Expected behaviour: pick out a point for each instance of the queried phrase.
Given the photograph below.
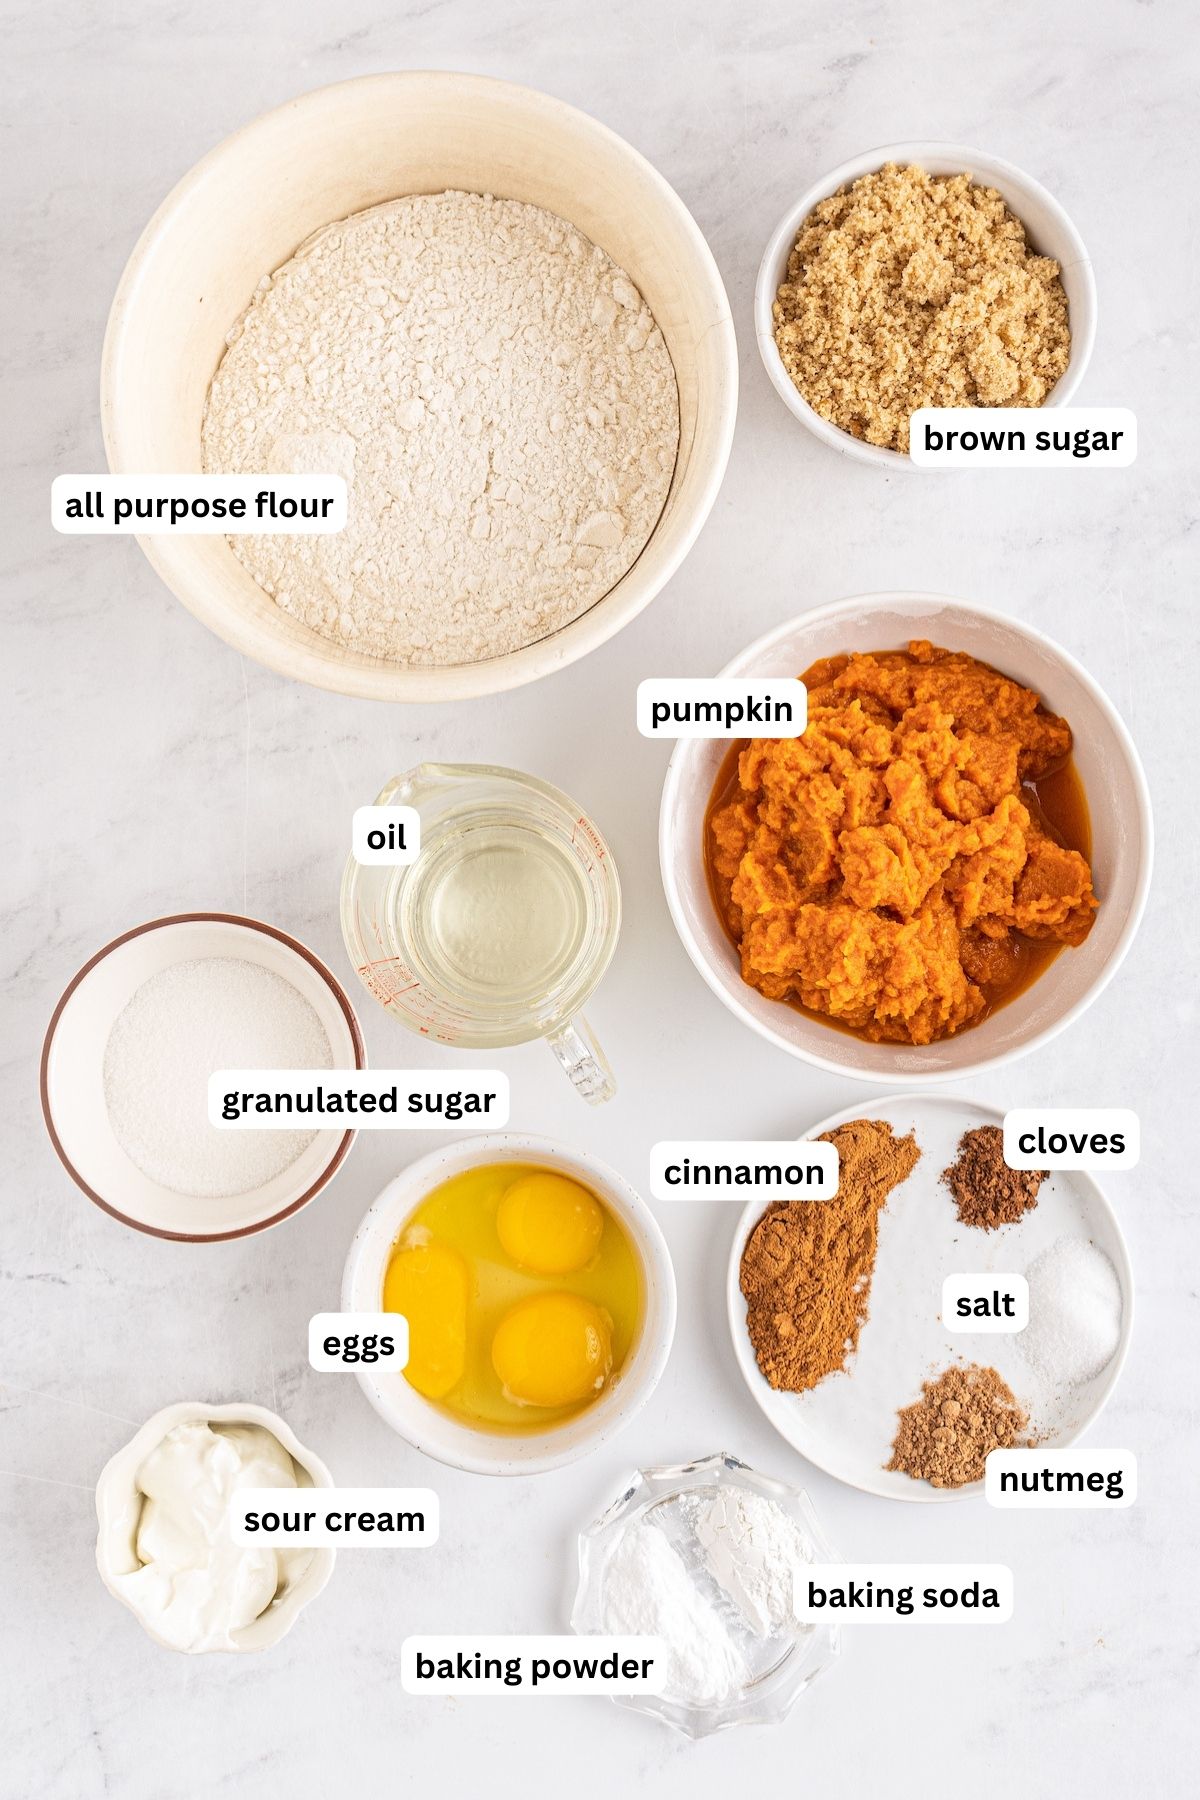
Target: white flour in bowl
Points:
(502, 406)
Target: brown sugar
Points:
(986, 1191)
(894, 868)
(964, 1413)
(806, 1268)
(908, 290)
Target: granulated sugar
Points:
(1075, 1314)
(495, 392)
(180, 1026)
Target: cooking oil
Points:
(498, 912)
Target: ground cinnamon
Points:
(806, 1269)
(963, 1413)
(987, 1192)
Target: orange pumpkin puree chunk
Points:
(893, 868)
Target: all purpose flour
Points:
(500, 401)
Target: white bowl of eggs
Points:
(540, 1300)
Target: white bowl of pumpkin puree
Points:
(942, 872)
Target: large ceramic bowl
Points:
(254, 199)
(1122, 838)
(510, 1453)
(1048, 230)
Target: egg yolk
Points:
(552, 1349)
(429, 1283)
(549, 1224)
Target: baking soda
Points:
(214, 1012)
(755, 1553)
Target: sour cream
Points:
(196, 1588)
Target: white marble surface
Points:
(153, 770)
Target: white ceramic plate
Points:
(846, 1424)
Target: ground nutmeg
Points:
(945, 1437)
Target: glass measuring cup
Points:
(500, 930)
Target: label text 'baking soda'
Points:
(287, 1518)
(728, 1171)
(1022, 437)
(946, 1593)
(364, 1099)
(724, 706)
(200, 505)
(542, 1665)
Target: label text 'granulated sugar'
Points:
(364, 1099)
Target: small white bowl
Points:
(72, 1077)
(425, 1425)
(249, 205)
(119, 1505)
(1049, 232)
(1108, 767)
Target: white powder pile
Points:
(1074, 1313)
(742, 1565)
(648, 1591)
(214, 1012)
(502, 406)
(755, 1553)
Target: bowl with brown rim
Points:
(72, 1076)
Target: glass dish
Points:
(783, 1664)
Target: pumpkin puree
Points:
(886, 868)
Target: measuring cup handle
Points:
(583, 1060)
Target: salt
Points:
(1075, 1311)
(214, 1012)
